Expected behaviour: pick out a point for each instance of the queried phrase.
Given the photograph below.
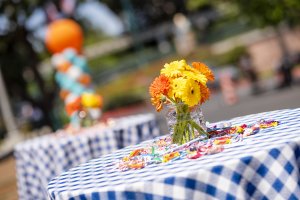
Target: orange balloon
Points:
(100, 99)
(63, 94)
(63, 67)
(84, 79)
(62, 34)
(73, 106)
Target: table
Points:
(262, 166)
(41, 159)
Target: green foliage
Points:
(272, 12)
(123, 99)
(93, 37)
(59, 115)
(230, 57)
(233, 55)
(100, 64)
(223, 29)
(258, 12)
(112, 66)
(197, 4)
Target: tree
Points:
(18, 55)
(260, 13)
(273, 13)
(263, 13)
(270, 13)
(147, 13)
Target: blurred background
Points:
(253, 48)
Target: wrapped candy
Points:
(214, 149)
(162, 150)
(222, 140)
(193, 153)
(252, 130)
(266, 124)
(170, 156)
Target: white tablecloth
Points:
(41, 159)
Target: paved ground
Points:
(214, 110)
(8, 188)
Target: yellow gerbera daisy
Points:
(200, 78)
(186, 90)
(174, 69)
(191, 69)
(175, 84)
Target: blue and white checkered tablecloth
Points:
(41, 159)
(263, 166)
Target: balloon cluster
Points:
(64, 38)
(82, 104)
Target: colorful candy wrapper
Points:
(162, 150)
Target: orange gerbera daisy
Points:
(205, 93)
(159, 87)
(157, 102)
(204, 69)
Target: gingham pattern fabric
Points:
(262, 166)
(41, 159)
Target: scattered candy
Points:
(170, 156)
(214, 149)
(194, 155)
(222, 140)
(162, 150)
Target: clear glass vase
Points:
(185, 123)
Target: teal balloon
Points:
(77, 89)
(59, 78)
(70, 54)
(64, 81)
(67, 83)
(89, 90)
(81, 64)
(75, 119)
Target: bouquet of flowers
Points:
(184, 87)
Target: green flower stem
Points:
(193, 133)
(171, 100)
(198, 128)
(185, 126)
